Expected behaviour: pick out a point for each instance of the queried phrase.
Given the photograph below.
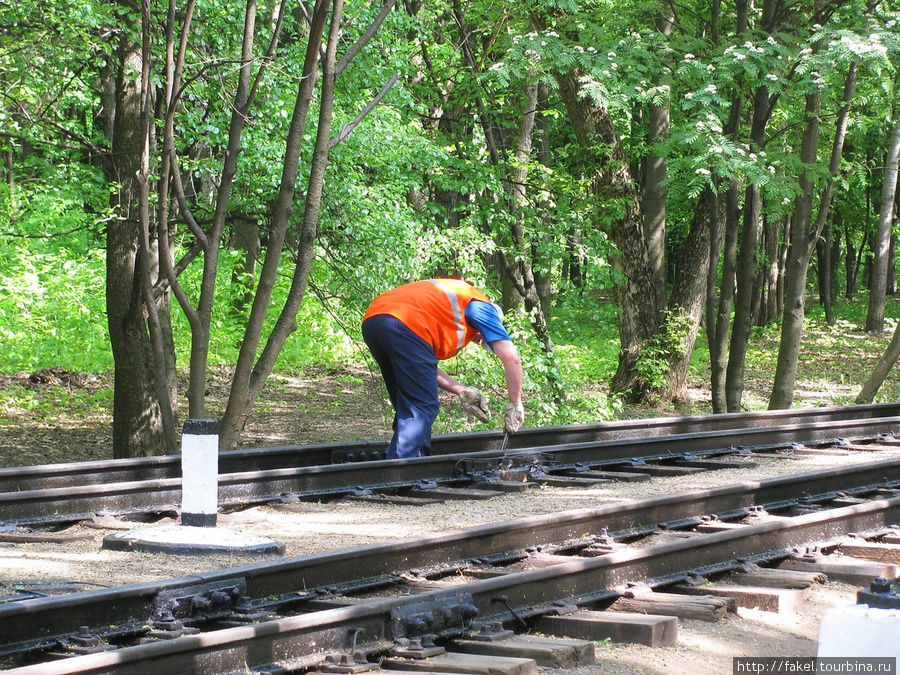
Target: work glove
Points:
(474, 403)
(515, 415)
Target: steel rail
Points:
(75, 474)
(371, 627)
(332, 480)
(46, 617)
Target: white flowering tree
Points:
(739, 114)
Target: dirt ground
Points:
(343, 406)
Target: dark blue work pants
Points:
(409, 368)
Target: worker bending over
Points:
(412, 327)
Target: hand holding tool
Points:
(515, 415)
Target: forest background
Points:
(655, 190)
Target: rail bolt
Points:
(880, 585)
(85, 638)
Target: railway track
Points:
(577, 454)
(358, 607)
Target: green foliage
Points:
(653, 364)
(48, 312)
(416, 190)
(51, 269)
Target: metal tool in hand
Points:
(505, 439)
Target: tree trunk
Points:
(243, 277)
(137, 423)
(881, 245)
(769, 273)
(522, 275)
(571, 267)
(891, 285)
(718, 338)
(824, 272)
(798, 262)
(250, 373)
(881, 370)
(748, 254)
(852, 265)
(719, 347)
(653, 204)
(543, 278)
(688, 298)
(611, 182)
(744, 278)
(804, 236)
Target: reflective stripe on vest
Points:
(457, 314)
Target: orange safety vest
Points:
(434, 310)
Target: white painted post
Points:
(200, 473)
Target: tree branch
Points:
(365, 37)
(348, 128)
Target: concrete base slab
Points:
(859, 631)
(473, 664)
(546, 652)
(624, 627)
(187, 540)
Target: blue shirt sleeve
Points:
(483, 317)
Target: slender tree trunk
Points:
(880, 371)
(804, 235)
(824, 272)
(201, 318)
(891, 285)
(744, 278)
(878, 285)
(718, 338)
(523, 278)
(798, 261)
(748, 254)
(543, 278)
(243, 277)
(571, 269)
(242, 389)
(852, 264)
(769, 273)
(719, 350)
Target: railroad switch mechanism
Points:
(507, 469)
(220, 600)
(427, 617)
